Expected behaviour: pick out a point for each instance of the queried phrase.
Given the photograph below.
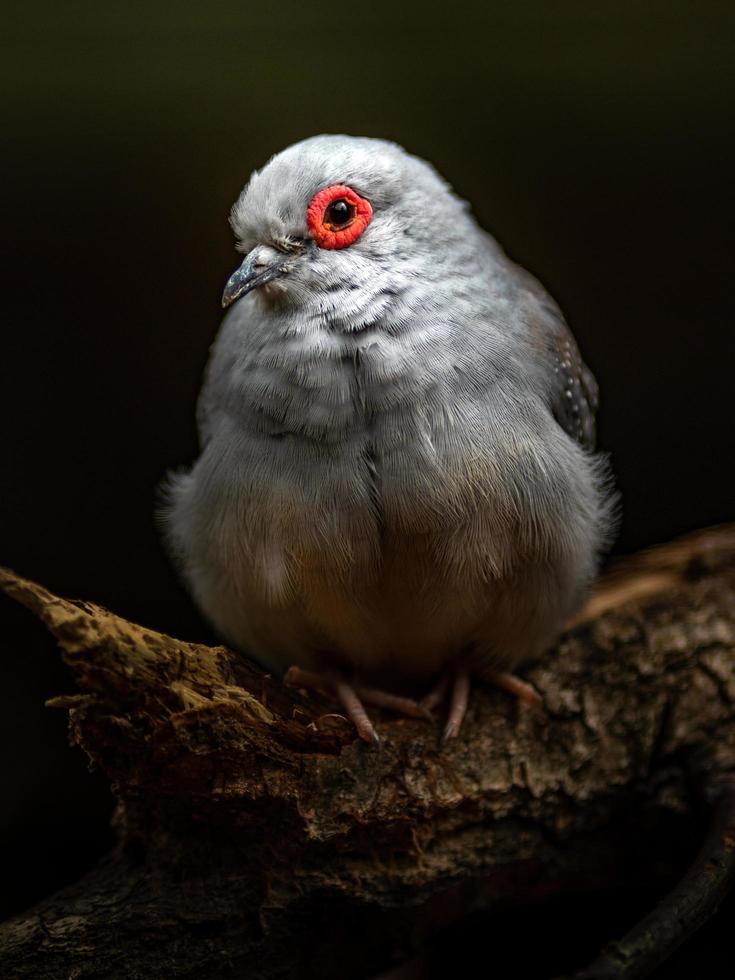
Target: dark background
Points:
(595, 140)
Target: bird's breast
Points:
(333, 388)
(353, 439)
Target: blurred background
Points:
(594, 140)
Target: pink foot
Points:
(457, 705)
(354, 697)
(460, 690)
(513, 685)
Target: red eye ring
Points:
(328, 234)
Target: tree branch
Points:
(681, 912)
(259, 837)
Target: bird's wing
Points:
(572, 393)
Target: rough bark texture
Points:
(260, 838)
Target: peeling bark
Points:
(260, 838)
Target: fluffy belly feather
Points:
(404, 618)
(383, 602)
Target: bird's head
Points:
(342, 226)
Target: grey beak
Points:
(252, 273)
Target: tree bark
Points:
(258, 837)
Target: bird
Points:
(398, 489)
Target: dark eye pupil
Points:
(339, 213)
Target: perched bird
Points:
(397, 481)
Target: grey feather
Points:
(392, 471)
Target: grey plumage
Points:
(396, 436)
